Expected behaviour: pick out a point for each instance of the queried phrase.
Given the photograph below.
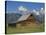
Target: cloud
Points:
(22, 8)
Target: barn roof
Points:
(23, 17)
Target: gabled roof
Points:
(23, 17)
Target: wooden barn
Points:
(24, 20)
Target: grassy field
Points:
(26, 29)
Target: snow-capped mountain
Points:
(39, 15)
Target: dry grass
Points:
(26, 29)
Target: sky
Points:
(13, 6)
